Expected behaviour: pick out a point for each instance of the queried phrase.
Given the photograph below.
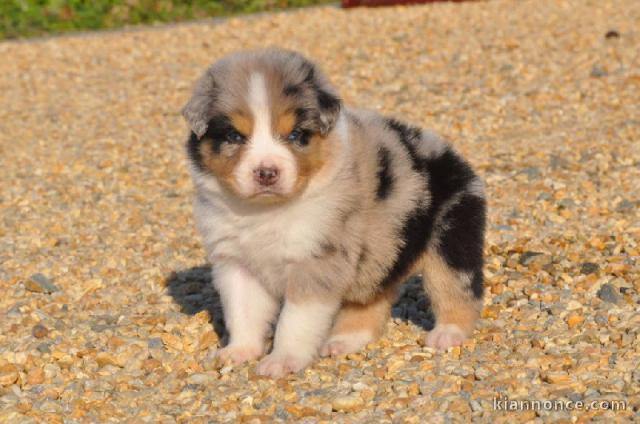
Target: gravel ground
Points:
(106, 314)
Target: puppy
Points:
(313, 214)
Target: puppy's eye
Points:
(294, 136)
(235, 137)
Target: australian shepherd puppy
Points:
(313, 214)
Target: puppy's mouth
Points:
(268, 194)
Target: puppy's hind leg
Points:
(455, 309)
(452, 272)
(359, 324)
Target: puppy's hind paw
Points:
(277, 365)
(238, 354)
(342, 344)
(444, 336)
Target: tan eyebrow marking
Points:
(285, 123)
(242, 123)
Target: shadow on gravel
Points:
(192, 290)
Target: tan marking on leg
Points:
(371, 316)
(356, 324)
(452, 303)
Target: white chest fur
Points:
(266, 242)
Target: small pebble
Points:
(557, 162)
(532, 173)
(475, 405)
(35, 376)
(39, 331)
(43, 348)
(359, 386)
(574, 320)
(155, 343)
(38, 283)
(589, 268)
(609, 293)
(612, 33)
(349, 403)
(626, 206)
(573, 305)
(203, 378)
(8, 374)
(528, 258)
(556, 377)
(481, 373)
(598, 72)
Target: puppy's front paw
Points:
(443, 336)
(278, 365)
(238, 354)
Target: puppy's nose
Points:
(266, 176)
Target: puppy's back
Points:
(410, 179)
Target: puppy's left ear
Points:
(327, 100)
(197, 112)
(329, 105)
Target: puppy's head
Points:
(262, 124)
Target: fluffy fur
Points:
(313, 214)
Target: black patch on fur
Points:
(447, 175)
(310, 72)
(320, 118)
(477, 283)
(408, 135)
(305, 124)
(328, 110)
(462, 242)
(385, 179)
(303, 114)
(305, 136)
(217, 130)
(216, 135)
(193, 150)
(328, 103)
(291, 90)
(305, 119)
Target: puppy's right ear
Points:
(198, 109)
